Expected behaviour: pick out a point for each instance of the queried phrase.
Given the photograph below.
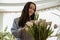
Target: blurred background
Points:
(47, 9)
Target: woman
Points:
(28, 14)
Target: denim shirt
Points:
(16, 31)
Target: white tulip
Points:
(29, 24)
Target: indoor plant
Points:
(39, 29)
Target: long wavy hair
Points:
(25, 14)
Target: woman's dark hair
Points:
(25, 14)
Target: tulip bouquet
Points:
(39, 29)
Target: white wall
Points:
(15, 1)
(1, 21)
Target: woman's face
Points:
(31, 9)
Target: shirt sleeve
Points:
(15, 30)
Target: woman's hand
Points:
(23, 29)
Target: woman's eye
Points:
(32, 8)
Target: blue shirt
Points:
(16, 31)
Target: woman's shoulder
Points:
(16, 19)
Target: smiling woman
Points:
(46, 14)
(11, 9)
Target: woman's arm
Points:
(15, 30)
